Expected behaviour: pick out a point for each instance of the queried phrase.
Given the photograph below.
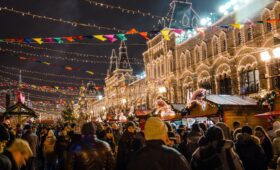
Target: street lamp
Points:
(162, 89)
(124, 101)
(266, 57)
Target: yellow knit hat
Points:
(155, 129)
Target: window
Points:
(188, 93)
(204, 53)
(225, 85)
(249, 34)
(268, 26)
(250, 81)
(216, 48)
(276, 75)
(207, 86)
(197, 56)
(162, 68)
(239, 39)
(276, 82)
(224, 45)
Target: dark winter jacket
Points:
(267, 148)
(32, 140)
(12, 160)
(250, 152)
(90, 154)
(218, 155)
(156, 156)
(127, 147)
(5, 163)
(190, 144)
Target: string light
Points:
(39, 79)
(61, 58)
(50, 74)
(125, 10)
(72, 23)
(65, 52)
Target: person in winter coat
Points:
(18, 153)
(276, 147)
(265, 142)
(5, 163)
(156, 155)
(126, 146)
(226, 130)
(61, 148)
(215, 152)
(190, 144)
(48, 151)
(32, 140)
(90, 153)
(272, 132)
(109, 138)
(249, 150)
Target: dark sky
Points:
(17, 26)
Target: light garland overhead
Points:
(39, 79)
(61, 58)
(72, 23)
(50, 74)
(125, 10)
(65, 52)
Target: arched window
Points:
(225, 84)
(188, 92)
(250, 81)
(189, 61)
(238, 39)
(268, 26)
(215, 46)
(249, 34)
(162, 68)
(197, 55)
(186, 20)
(223, 41)
(206, 85)
(204, 52)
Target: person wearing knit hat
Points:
(156, 155)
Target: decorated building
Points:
(239, 60)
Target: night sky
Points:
(18, 26)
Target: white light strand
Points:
(66, 52)
(125, 10)
(38, 79)
(55, 75)
(61, 58)
(72, 23)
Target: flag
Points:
(238, 26)
(100, 37)
(165, 34)
(111, 37)
(144, 35)
(121, 37)
(38, 40)
(132, 31)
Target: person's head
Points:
(277, 132)
(172, 139)
(130, 127)
(236, 124)
(109, 133)
(155, 129)
(115, 126)
(88, 129)
(203, 127)
(260, 132)
(247, 129)
(4, 137)
(236, 132)
(50, 133)
(20, 151)
(214, 133)
(195, 128)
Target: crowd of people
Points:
(158, 145)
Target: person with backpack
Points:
(215, 153)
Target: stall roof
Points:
(178, 107)
(231, 100)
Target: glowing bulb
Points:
(265, 56)
(276, 52)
